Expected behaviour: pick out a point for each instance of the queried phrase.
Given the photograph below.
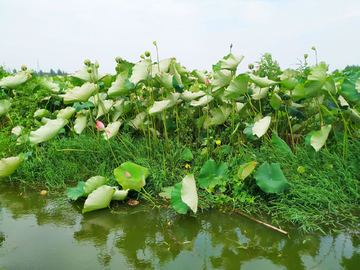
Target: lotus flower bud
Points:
(23, 67)
(155, 43)
(89, 69)
(142, 56)
(305, 55)
(128, 175)
(96, 64)
(207, 82)
(251, 66)
(147, 54)
(313, 48)
(87, 62)
(118, 59)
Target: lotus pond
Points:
(48, 231)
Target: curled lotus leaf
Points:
(99, 198)
(80, 94)
(14, 81)
(4, 106)
(9, 165)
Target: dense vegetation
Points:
(265, 141)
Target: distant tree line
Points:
(50, 73)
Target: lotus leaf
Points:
(14, 81)
(41, 113)
(49, 85)
(275, 101)
(9, 165)
(166, 193)
(319, 138)
(99, 198)
(113, 128)
(83, 76)
(17, 130)
(140, 71)
(165, 79)
(262, 82)
(222, 78)
(246, 169)
(189, 96)
(163, 66)
(189, 192)
(237, 87)
(316, 79)
(200, 75)
(231, 62)
(348, 91)
(75, 193)
(261, 126)
(138, 174)
(93, 183)
(176, 200)
(219, 116)
(289, 83)
(187, 155)
(104, 107)
(80, 94)
(45, 133)
(66, 113)
(211, 173)
(80, 123)
(248, 132)
(279, 144)
(271, 179)
(118, 87)
(138, 120)
(259, 93)
(330, 85)
(4, 106)
(119, 195)
(202, 101)
(120, 108)
(298, 93)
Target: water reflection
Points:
(146, 238)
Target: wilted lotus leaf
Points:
(99, 198)
(93, 183)
(137, 177)
(9, 165)
(246, 169)
(4, 106)
(44, 133)
(14, 81)
(80, 94)
(133, 202)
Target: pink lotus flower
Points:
(128, 175)
(207, 82)
(101, 126)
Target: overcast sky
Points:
(198, 33)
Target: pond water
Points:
(48, 232)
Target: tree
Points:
(14, 70)
(52, 72)
(41, 73)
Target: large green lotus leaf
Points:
(118, 87)
(259, 93)
(46, 132)
(289, 83)
(262, 82)
(77, 192)
(93, 183)
(14, 81)
(316, 79)
(237, 87)
(200, 75)
(202, 101)
(66, 113)
(189, 96)
(99, 198)
(104, 107)
(140, 71)
(299, 92)
(137, 177)
(80, 123)
(113, 128)
(231, 62)
(136, 122)
(246, 169)
(319, 138)
(166, 194)
(211, 173)
(165, 79)
(222, 78)
(80, 94)
(4, 106)
(176, 200)
(219, 116)
(260, 127)
(49, 85)
(271, 179)
(330, 85)
(120, 108)
(41, 113)
(119, 195)
(279, 144)
(83, 76)
(9, 165)
(348, 91)
(189, 192)
(164, 66)
(275, 101)
(187, 155)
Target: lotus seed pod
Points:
(251, 66)
(231, 45)
(89, 69)
(118, 59)
(142, 56)
(155, 43)
(96, 64)
(23, 67)
(313, 48)
(305, 55)
(87, 62)
(31, 72)
(147, 54)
